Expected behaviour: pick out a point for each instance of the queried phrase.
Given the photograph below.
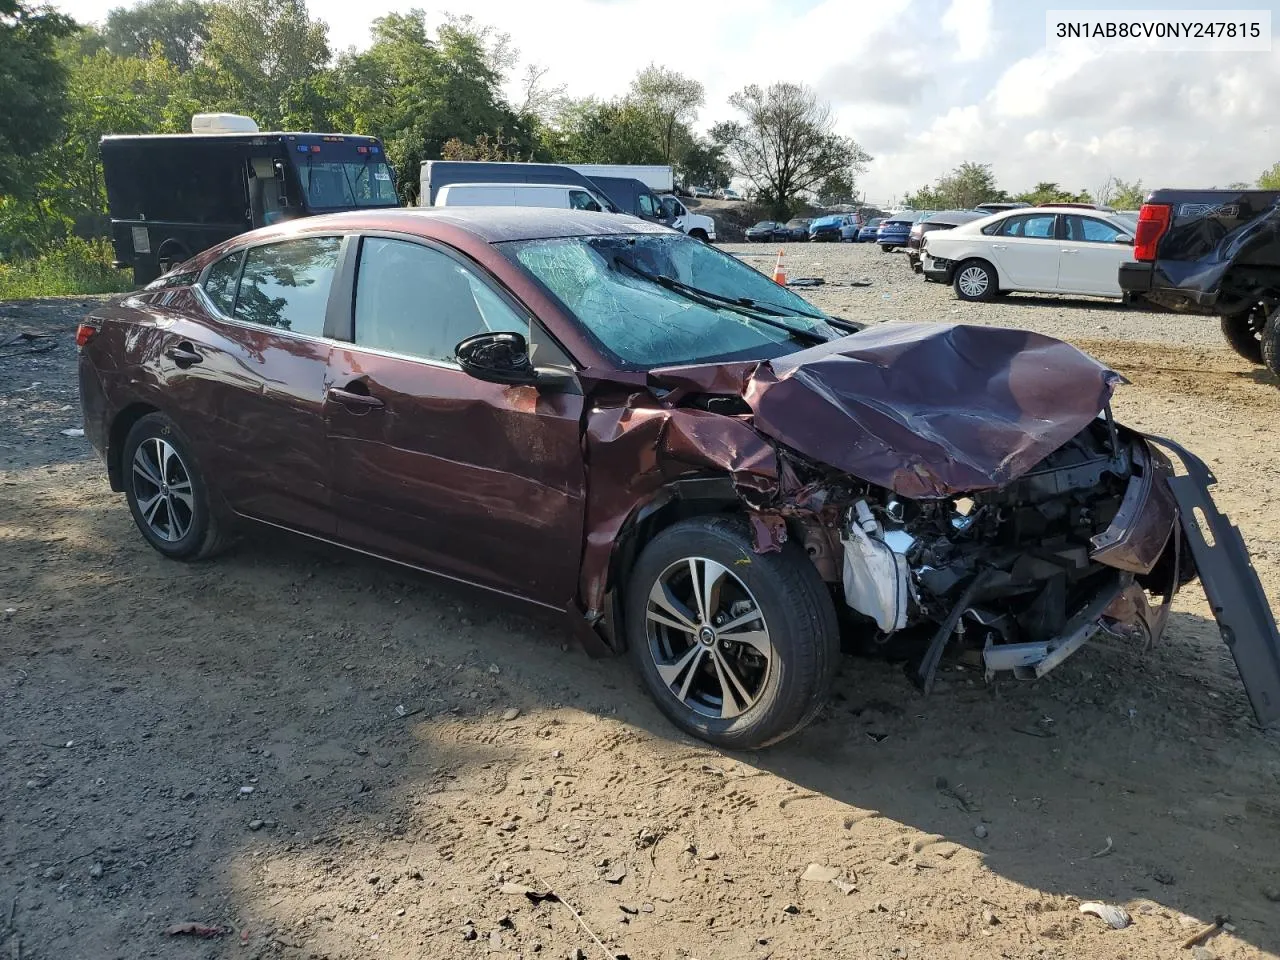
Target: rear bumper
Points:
(1135, 277)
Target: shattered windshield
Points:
(609, 283)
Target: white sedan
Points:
(1073, 250)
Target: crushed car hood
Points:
(924, 409)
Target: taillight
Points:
(1153, 223)
(85, 332)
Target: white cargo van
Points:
(564, 196)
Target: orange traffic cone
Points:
(780, 272)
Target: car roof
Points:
(489, 224)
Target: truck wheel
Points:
(975, 280)
(171, 254)
(1244, 332)
(737, 647)
(698, 234)
(1271, 343)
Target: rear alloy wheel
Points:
(736, 647)
(1243, 332)
(1270, 343)
(167, 494)
(975, 280)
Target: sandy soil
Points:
(308, 750)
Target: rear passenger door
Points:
(1091, 251)
(1025, 252)
(262, 361)
(474, 480)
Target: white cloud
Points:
(970, 22)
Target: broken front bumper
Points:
(1163, 514)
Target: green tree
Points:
(1049, 192)
(594, 131)
(704, 164)
(179, 28)
(265, 58)
(837, 188)
(105, 94)
(418, 91)
(1270, 179)
(32, 88)
(786, 143)
(963, 188)
(671, 100)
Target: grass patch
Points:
(69, 267)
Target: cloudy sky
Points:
(921, 84)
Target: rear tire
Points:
(887, 247)
(736, 693)
(1270, 343)
(1244, 332)
(167, 493)
(975, 280)
(698, 234)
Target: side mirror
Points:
(504, 358)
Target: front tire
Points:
(887, 247)
(736, 648)
(167, 492)
(1270, 343)
(975, 280)
(1244, 332)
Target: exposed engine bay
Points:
(1021, 571)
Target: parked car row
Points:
(706, 193)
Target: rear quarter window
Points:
(220, 282)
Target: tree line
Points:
(972, 183)
(429, 88)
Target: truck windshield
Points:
(328, 185)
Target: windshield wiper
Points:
(743, 305)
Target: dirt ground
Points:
(322, 756)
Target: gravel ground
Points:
(319, 756)
(895, 293)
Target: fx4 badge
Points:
(1224, 211)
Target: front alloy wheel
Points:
(736, 647)
(708, 638)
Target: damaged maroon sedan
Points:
(607, 418)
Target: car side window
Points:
(647, 208)
(1035, 225)
(286, 285)
(220, 282)
(581, 200)
(418, 302)
(1089, 230)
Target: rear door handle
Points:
(352, 399)
(184, 355)
(1069, 250)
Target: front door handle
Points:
(999, 246)
(352, 399)
(1068, 250)
(184, 355)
